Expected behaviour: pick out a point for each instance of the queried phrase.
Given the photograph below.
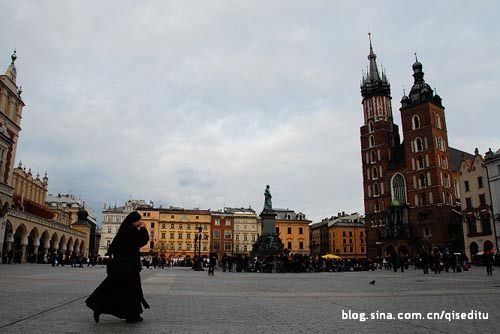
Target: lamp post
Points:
(197, 238)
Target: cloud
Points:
(203, 104)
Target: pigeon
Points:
(372, 282)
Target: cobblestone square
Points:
(43, 299)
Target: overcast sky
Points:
(203, 103)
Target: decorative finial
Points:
(416, 59)
(476, 151)
(38, 176)
(370, 38)
(404, 90)
(20, 90)
(13, 57)
(20, 164)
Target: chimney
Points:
(343, 213)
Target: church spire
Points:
(11, 70)
(374, 84)
(372, 57)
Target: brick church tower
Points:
(429, 174)
(379, 143)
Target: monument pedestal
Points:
(268, 246)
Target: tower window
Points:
(375, 189)
(398, 188)
(420, 162)
(371, 141)
(375, 173)
(374, 156)
(418, 145)
(370, 126)
(415, 122)
(438, 121)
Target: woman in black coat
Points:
(120, 294)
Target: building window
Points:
(172, 216)
(217, 222)
(362, 249)
(152, 225)
(245, 237)
(289, 244)
(343, 233)
(350, 241)
(350, 233)
(172, 226)
(163, 235)
(197, 217)
(371, 140)
(289, 230)
(438, 121)
(344, 241)
(466, 183)
(163, 226)
(205, 227)
(180, 226)
(471, 223)
(179, 246)
(172, 235)
(374, 157)
(216, 234)
(423, 199)
(228, 222)
(375, 189)
(227, 246)
(301, 245)
(216, 246)
(228, 235)
(418, 145)
(109, 229)
(301, 230)
(480, 181)
(188, 236)
(415, 122)
(485, 223)
(171, 246)
(237, 237)
(108, 242)
(482, 199)
(468, 203)
(345, 250)
(180, 236)
(350, 249)
(188, 227)
(370, 126)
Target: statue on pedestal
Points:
(268, 204)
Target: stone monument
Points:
(268, 244)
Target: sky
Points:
(203, 103)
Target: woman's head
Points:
(132, 219)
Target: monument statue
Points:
(268, 204)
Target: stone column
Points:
(35, 252)
(23, 253)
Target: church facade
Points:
(410, 184)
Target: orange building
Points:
(151, 218)
(293, 230)
(347, 236)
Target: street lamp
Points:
(197, 238)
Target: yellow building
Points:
(347, 236)
(246, 229)
(293, 230)
(177, 229)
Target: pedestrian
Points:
(120, 294)
(212, 262)
(488, 261)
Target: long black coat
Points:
(122, 296)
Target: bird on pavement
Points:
(372, 282)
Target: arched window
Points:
(418, 145)
(369, 107)
(374, 156)
(423, 199)
(485, 223)
(376, 207)
(415, 122)
(398, 187)
(371, 141)
(375, 189)
(420, 162)
(370, 126)
(471, 225)
(375, 173)
(438, 121)
(423, 180)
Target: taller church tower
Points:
(379, 143)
